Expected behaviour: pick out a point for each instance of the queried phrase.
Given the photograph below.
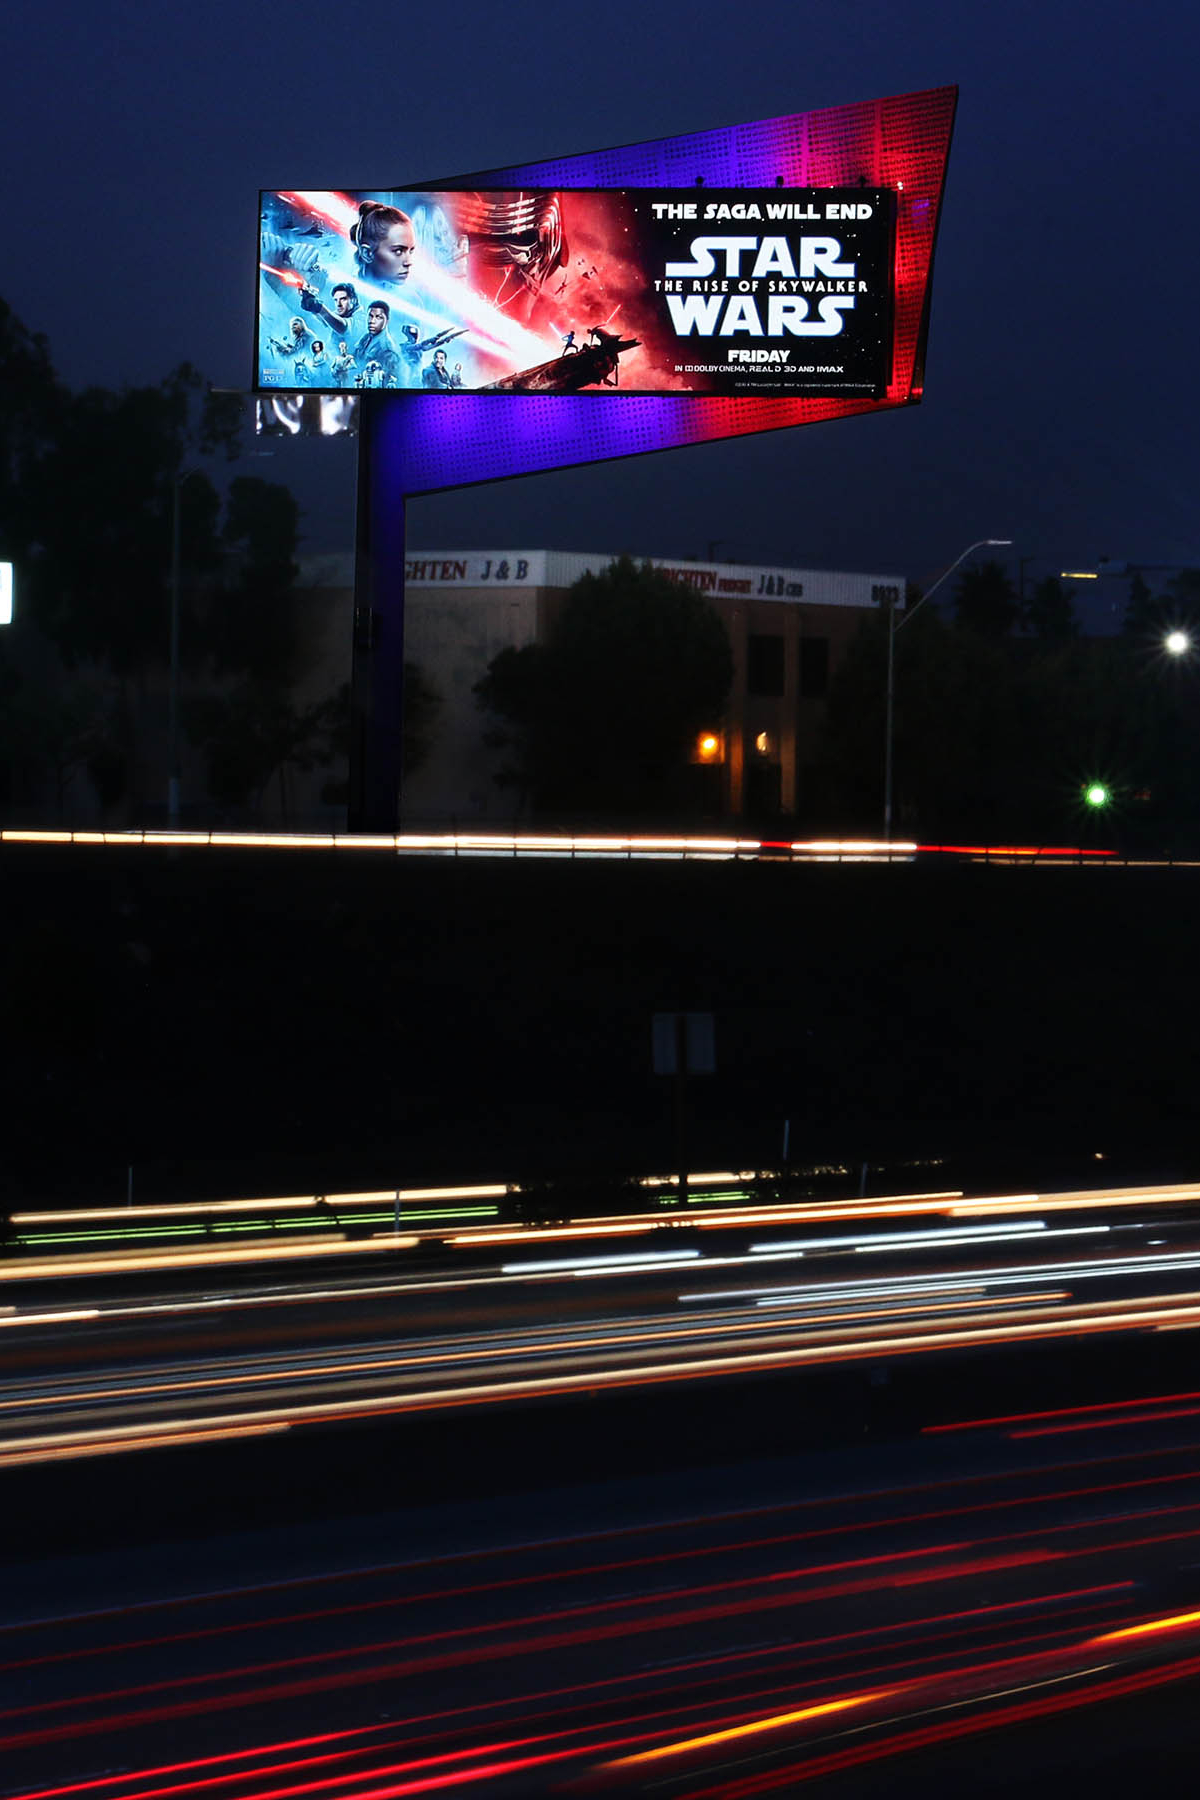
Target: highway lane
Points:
(773, 1628)
(500, 1317)
(1012, 1548)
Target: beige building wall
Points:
(452, 634)
(462, 607)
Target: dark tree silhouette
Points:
(602, 716)
(1049, 614)
(985, 601)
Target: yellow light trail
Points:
(117, 1446)
(115, 1262)
(733, 1733)
(199, 1209)
(1149, 1626)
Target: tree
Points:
(985, 601)
(1142, 613)
(253, 624)
(91, 486)
(1049, 614)
(1184, 599)
(101, 498)
(602, 716)
(421, 705)
(33, 401)
(256, 732)
(52, 728)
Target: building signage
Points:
(654, 291)
(561, 568)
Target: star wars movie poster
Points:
(638, 291)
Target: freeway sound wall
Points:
(231, 1022)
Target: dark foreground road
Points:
(958, 1604)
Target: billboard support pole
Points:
(377, 669)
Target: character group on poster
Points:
(545, 292)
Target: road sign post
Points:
(683, 1044)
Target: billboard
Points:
(756, 292)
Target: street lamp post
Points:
(893, 628)
(173, 762)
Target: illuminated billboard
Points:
(776, 291)
(427, 441)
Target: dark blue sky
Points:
(1060, 399)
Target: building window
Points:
(764, 665)
(814, 668)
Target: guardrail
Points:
(438, 1213)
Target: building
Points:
(788, 628)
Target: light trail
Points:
(287, 1202)
(754, 1329)
(957, 1658)
(873, 1342)
(948, 1205)
(626, 1565)
(774, 1722)
(301, 1367)
(967, 1234)
(760, 1679)
(577, 1265)
(903, 1495)
(498, 328)
(1012, 1274)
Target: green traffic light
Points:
(1097, 794)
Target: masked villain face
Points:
(520, 233)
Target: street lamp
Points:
(1177, 643)
(893, 628)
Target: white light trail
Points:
(964, 1234)
(574, 1264)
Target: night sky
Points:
(1059, 400)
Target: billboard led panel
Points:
(757, 291)
(425, 442)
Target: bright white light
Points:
(1177, 643)
(889, 1240)
(6, 593)
(646, 1259)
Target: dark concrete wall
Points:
(224, 1020)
